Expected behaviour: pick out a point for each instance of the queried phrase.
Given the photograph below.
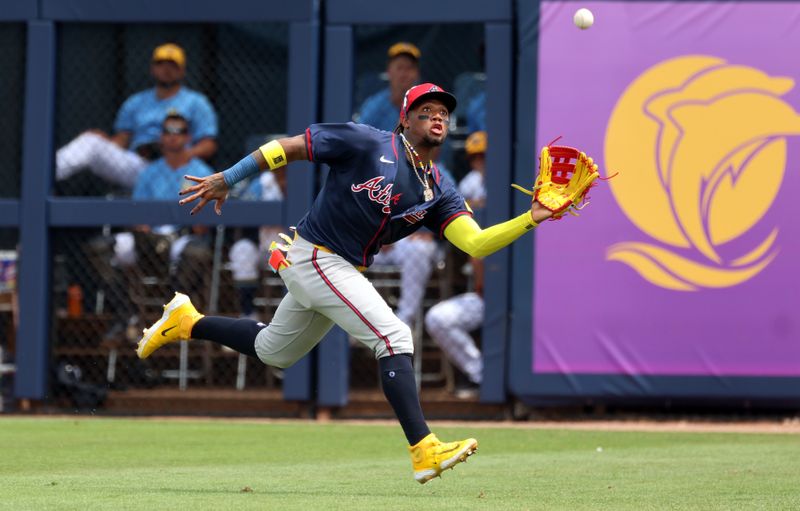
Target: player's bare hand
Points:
(207, 189)
(539, 213)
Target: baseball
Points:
(583, 18)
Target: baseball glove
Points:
(565, 176)
(277, 253)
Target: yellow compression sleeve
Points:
(466, 234)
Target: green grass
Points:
(87, 464)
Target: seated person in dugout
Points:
(121, 157)
(164, 178)
(160, 180)
(402, 68)
(450, 322)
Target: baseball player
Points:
(382, 186)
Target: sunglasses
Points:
(175, 130)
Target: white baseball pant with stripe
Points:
(102, 157)
(449, 323)
(416, 257)
(325, 289)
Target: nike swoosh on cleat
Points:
(164, 332)
(384, 160)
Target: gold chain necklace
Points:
(416, 161)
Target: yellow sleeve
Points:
(466, 234)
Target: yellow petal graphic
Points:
(656, 263)
(650, 270)
(758, 252)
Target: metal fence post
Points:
(32, 355)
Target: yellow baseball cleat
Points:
(175, 325)
(430, 456)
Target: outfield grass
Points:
(115, 464)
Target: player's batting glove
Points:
(565, 176)
(278, 252)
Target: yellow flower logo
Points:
(703, 146)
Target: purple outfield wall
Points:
(688, 261)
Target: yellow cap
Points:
(476, 143)
(404, 48)
(171, 52)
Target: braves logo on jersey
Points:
(377, 193)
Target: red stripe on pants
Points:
(348, 303)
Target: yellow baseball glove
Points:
(565, 176)
(277, 253)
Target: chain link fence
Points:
(239, 68)
(110, 285)
(420, 272)
(12, 85)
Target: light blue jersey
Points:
(159, 181)
(379, 112)
(143, 114)
(476, 113)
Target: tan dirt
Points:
(782, 426)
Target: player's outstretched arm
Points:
(216, 186)
(466, 234)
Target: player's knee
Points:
(91, 140)
(431, 320)
(437, 320)
(274, 353)
(400, 342)
(277, 360)
(428, 250)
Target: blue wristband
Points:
(246, 167)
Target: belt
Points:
(362, 269)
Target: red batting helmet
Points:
(426, 90)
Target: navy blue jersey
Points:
(371, 197)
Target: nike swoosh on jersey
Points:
(164, 332)
(384, 160)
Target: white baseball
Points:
(583, 18)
